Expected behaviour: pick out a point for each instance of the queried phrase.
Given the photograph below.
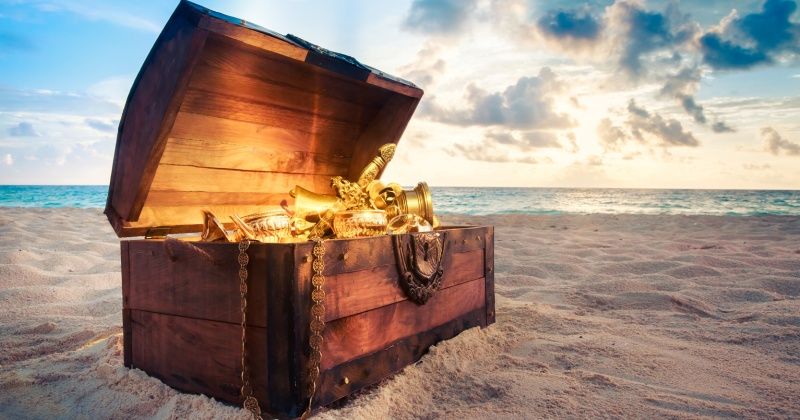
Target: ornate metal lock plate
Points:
(420, 257)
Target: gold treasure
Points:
(365, 207)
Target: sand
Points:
(597, 316)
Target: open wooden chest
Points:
(229, 117)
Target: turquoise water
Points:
(502, 200)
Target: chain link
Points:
(250, 402)
(317, 323)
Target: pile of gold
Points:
(366, 207)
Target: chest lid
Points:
(228, 116)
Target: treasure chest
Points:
(228, 117)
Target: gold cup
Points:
(310, 205)
(417, 201)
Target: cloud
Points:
(756, 167)
(438, 16)
(426, 67)
(684, 82)
(23, 129)
(511, 146)
(98, 11)
(47, 101)
(693, 109)
(668, 132)
(682, 86)
(643, 33)
(107, 126)
(727, 55)
(775, 144)
(525, 141)
(14, 42)
(643, 127)
(8, 160)
(594, 160)
(722, 127)
(612, 138)
(482, 152)
(572, 24)
(753, 39)
(528, 104)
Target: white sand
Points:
(600, 315)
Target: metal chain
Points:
(250, 402)
(317, 324)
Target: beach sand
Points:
(597, 315)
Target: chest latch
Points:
(420, 259)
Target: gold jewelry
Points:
(213, 229)
(406, 223)
(317, 323)
(263, 227)
(357, 223)
(249, 402)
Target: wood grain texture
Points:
(387, 127)
(237, 58)
(198, 356)
(489, 275)
(151, 107)
(280, 94)
(283, 361)
(348, 255)
(201, 199)
(235, 108)
(355, 292)
(254, 157)
(254, 38)
(372, 368)
(411, 91)
(196, 280)
(348, 338)
(239, 117)
(127, 350)
(280, 139)
(192, 178)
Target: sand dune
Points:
(598, 315)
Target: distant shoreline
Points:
(507, 200)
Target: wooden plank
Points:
(489, 274)
(373, 368)
(282, 360)
(404, 89)
(355, 292)
(347, 255)
(254, 157)
(192, 178)
(199, 356)
(251, 89)
(280, 139)
(202, 199)
(242, 59)
(197, 280)
(189, 218)
(151, 109)
(349, 338)
(386, 127)
(254, 38)
(126, 313)
(234, 108)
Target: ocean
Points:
(479, 201)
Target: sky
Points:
(632, 94)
